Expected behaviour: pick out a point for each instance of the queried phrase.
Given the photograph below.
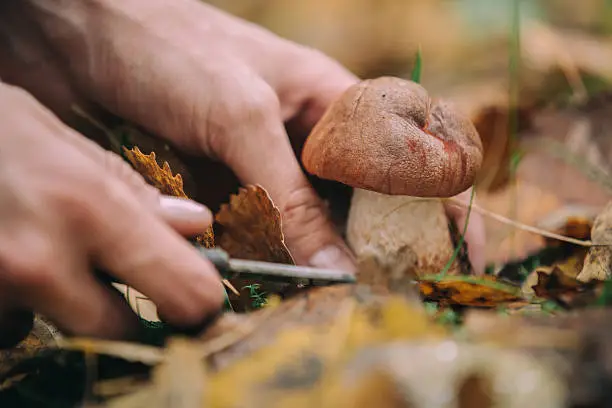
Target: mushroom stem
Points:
(410, 233)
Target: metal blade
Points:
(246, 269)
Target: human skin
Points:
(211, 85)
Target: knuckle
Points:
(306, 223)
(304, 207)
(251, 102)
(246, 107)
(84, 198)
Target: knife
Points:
(232, 268)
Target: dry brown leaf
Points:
(251, 227)
(569, 268)
(167, 183)
(598, 262)
(485, 291)
(576, 226)
(564, 289)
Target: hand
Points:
(67, 206)
(209, 83)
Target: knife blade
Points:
(231, 268)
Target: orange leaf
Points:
(167, 183)
(483, 291)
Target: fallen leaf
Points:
(573, 226)
(370, 366)
(484, 291)
(251, 227)
(298, 359)
(316, 307)
(159, 177)
(598, 262)
(167, 183)
(570, 267)
(128, 134)
(179, 381)
(565, 290)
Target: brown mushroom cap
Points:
(389, 136)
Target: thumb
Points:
(256, 147)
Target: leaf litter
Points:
(328, 334)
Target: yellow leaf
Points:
(483, 291)
(167, 183)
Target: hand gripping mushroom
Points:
(395, 145)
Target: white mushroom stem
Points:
(408, 233)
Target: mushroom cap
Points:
(387, 135)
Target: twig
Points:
(231, 287)
(525, 227)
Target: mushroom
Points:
(395, 145)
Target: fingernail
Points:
(333, 257)
(177, 207)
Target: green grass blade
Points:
(461, 239)
(416, 70)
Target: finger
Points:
(61, 287)
(257, 148)
(475, 234)
(232, 106)
(185, 216)
(81, 305)
(137, 247)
